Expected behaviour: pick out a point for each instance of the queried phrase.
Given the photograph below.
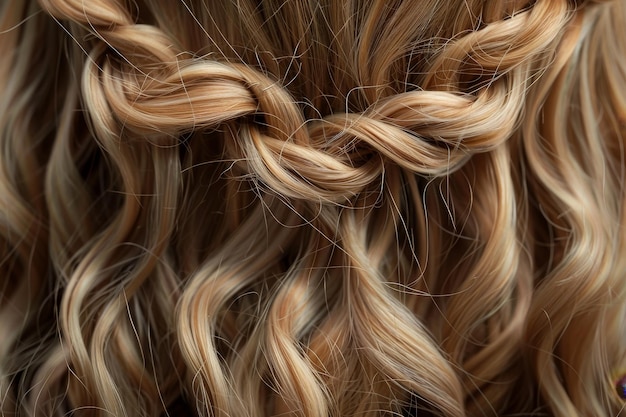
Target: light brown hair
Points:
(312, 208)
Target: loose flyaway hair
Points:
(312, 208)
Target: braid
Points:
(319, 209)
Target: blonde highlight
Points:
(320, 208)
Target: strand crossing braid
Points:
(320, 208)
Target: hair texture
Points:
(312, 208)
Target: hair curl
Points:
(312, 208)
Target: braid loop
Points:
(349, 208)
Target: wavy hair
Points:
(312, 208)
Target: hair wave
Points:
(312, 208)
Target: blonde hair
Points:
(312, 208)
